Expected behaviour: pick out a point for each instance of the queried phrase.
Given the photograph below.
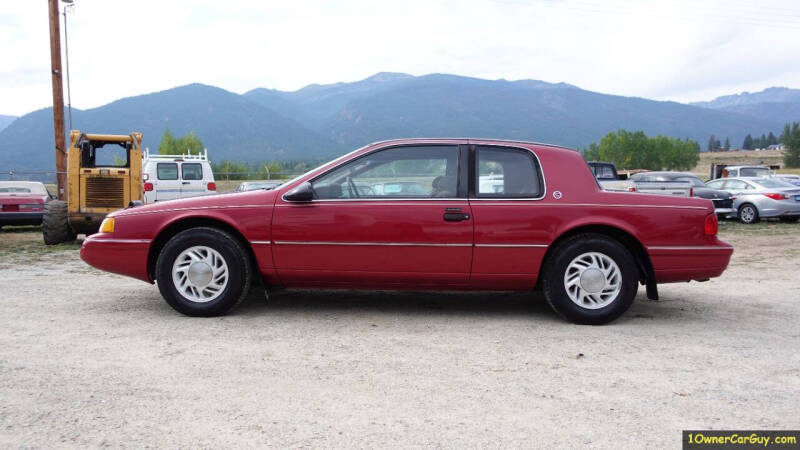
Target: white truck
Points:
(168, 177)
(609, 180)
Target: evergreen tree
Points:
(712, 143)
(791, 139)
(727, 144)
(748, 142)
(771, 139)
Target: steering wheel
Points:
(352, 186)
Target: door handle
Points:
(455, 217)
(185, 182)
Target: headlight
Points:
(107, 226)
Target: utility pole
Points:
(58, 100)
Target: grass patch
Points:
(25, 242)
(764, 227)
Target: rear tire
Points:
(55, 223)
(748, 213)
(590, 279)
(203, 272)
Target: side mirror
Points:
(301, 193)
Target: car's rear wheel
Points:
(203, 272)
(748, 213)
(590, 279)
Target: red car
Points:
(422, 214)
(22, 202)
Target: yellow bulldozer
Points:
(94, 188)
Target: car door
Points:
(192, 183)
(167, 184)
(393, 217)
(511, 229)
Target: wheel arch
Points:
(185, 223)
(646, 272)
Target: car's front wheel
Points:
(590, 279)
(203, 272)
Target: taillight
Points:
(777, 196)
(631, 189)
(691, 192)
(212, 186)
(148, 187)
(711, 225)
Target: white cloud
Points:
(679, 50)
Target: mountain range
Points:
(6, 121)
(320, 121)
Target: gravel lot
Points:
(92, 359)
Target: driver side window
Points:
(400, 172)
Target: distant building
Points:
(775, 147)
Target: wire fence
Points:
(49, 176)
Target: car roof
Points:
(469, 140)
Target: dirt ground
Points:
(93, 359)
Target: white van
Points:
(167, 177)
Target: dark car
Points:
(723, 201)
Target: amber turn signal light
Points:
(107, 226)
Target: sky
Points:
(681, 50)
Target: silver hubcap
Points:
(748, 214)
(592, 280)
(200, 274)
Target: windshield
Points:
(16, 189)
(753, 172)
(695, 181)
(776, 184)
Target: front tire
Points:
(55, 223)
(203, 272)
(590, 279)
(748, 213)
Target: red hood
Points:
(260, 197)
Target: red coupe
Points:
(415, 214)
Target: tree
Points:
(763, 142)
(748, 142)
(727, 144)
(635, 150)
(771, 139)
(791, 140)
(712, 143)
(189, 143)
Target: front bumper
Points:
(21, 218)
(121, 256)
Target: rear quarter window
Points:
(504, 172)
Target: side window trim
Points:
(473, 176)
(459, 195)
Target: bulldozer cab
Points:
(104, 174)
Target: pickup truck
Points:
(608, 178)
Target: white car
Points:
(168, 177)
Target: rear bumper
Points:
(121, 256)
(675, 263)
(725, 212)
(21, 218)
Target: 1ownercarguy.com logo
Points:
(741, 439)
